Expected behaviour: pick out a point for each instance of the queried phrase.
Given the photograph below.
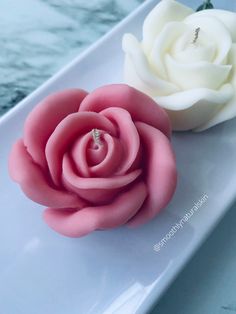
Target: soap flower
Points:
(186, 62)
(97, 160)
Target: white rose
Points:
(187, 62)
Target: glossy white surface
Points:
(112, 271)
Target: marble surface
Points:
(37, 38)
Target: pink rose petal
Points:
(125, 174)
(128, 135)
(140, 106)
(79, 154)
(84, 221)
(92, 160)
(111, 162)
(34, 182)
(44, 118)
(161, 172)
(94, 196)
(96, 156)
(108, 183)
(66, 133)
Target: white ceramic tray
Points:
(113, 271)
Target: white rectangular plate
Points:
(113, 271)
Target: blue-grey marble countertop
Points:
(37, 37)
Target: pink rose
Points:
(97, 160)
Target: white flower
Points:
(186, 61)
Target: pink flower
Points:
(97, 161)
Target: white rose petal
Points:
(199, 74)
(163, 44)
(186, 99)
(166, 11)
(216, 32)
(187, 63)
(189, 109)
(229, 110)
(226, 17)
(138, 60)
(191, 54)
